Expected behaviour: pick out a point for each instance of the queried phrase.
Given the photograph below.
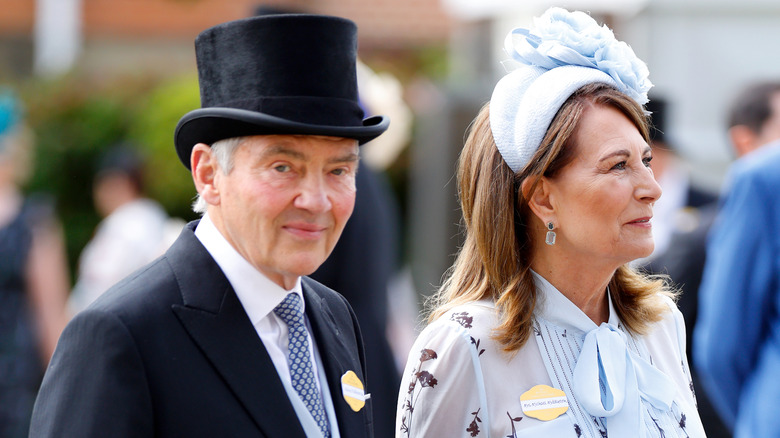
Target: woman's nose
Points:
(648, 188)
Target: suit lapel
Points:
(213, 316)
(337, 358)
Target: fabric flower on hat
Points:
(561, 38)
(562, 53)
(619, 61)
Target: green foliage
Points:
(74, 121)
(167, 180)
(433, 62)
(71, 127)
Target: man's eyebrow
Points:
(280, 149)
(347, 158)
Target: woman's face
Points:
(603, 199)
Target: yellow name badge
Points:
(544, 402)
(353, 390)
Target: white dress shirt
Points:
(259, 296)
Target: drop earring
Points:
(550, 237)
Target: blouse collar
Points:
(553, 306)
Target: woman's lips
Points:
(642, 221)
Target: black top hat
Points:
(277, 74)
(657, 108)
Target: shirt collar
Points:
(559, 310)
(257, 293)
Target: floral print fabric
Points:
(459, 382)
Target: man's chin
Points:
(305, 267)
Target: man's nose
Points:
(313, 195)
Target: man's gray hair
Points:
(223, 151)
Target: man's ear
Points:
(538, 197)
(204, 173)
(743, 139)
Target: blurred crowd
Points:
(712, 248)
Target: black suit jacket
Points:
(170, 351)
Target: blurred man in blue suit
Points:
(737, 338)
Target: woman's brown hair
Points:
(495, 259)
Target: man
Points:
(134, 231)
(737, 348)
(209, 340)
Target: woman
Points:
(541, 329)
(33, 278)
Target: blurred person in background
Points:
(365, 262)
(737, 338)
(34, 279)
(542, 328)
(679, 211)
(134, 231)
(382, 93)
(681, 220)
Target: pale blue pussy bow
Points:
(610, 380)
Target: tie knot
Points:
(290, 309)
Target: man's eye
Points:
(282, 168)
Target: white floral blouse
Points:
(459, 382)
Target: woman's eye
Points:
(619, 166)
(647, 161)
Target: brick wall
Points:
(16, 17)
(390, 23)
(156, 36)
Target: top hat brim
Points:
(208, 125)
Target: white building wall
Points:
(699, 52)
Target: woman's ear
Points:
(536, 191)
(204, 173)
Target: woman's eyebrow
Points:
(618, 153)
(625, 153)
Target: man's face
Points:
(284, 204)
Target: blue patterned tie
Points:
(301, 370)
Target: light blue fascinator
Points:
(562, 53)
